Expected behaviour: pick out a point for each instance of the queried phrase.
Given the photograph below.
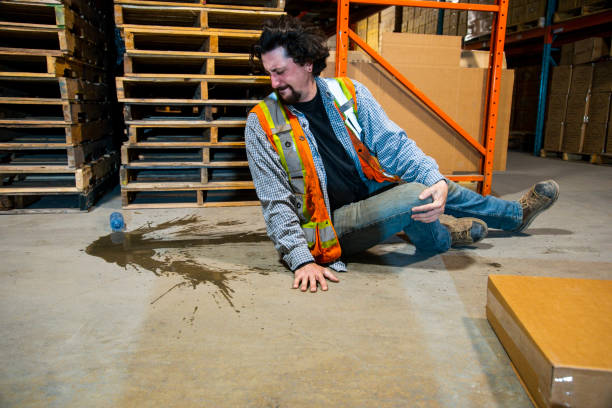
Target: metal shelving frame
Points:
(498, 35)
(552, 34)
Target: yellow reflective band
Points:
(328, 244)
(266, 112)
(281, 154)
(345, 90)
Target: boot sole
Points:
(534, 215)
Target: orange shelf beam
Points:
(498, 33)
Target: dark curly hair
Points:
(301, 42)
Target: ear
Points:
(308, 66)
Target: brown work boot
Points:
(464, 231)
(539, 197)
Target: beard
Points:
(290, 97)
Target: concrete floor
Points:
(195, 310)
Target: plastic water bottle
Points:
(116, 222)
(117, 227)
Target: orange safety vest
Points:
(287, 137)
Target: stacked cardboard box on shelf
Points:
(525, 101)
(479, 23)
(568, 9)
(584, 105)
(425, 21)
(557, 106)
(56, 138)
(187, 89)
(432, 64)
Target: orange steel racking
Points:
(498, 34)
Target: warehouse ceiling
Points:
(323, 12)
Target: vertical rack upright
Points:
(344, 33)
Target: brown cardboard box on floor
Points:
(594, 138)
(573, 137)
(557, 333)
(460, 92)
(553, 136)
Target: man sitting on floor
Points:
(336, 176)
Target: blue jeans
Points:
(363, 224)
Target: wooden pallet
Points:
(160, 196)
(23, 64)
(204, 41)
(51, 113)
(36, 15)
(39, 41)
(14, 89)
(53, 135)
(581, 11)
(523, 26)
(55, 179)
(191, 17)
(234, 4)
(173, 155)
(593, 158)
(194, 89)
(93, 11)
(138, 62)
(185, 134)
(41, 154)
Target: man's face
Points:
(292, 81)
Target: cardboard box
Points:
(372, 33)
(609, 138)
(582, 78)
(573, 137)
(557, 107)
(577, 108)
(477, 59)
(557, 333)
(567, 54)
(553, 136)
(421, 50)
(565, 5)
(602, 76)
(594, 138)
(534, 10)
(387, 22)
(561, 79)
(599, 107)
(589, 49)
(457, 91)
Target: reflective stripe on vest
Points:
(281, 130)
(345, 99)
(286, 135)
(345, 103)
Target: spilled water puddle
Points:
(164, 249)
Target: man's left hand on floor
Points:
(310, 274)
(430, 212)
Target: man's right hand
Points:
(310, 274)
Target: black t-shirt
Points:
(344, 185)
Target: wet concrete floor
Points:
(193, 308)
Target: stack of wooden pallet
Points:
(55, 128)
(187, 89)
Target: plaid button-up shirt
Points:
(396, 153)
